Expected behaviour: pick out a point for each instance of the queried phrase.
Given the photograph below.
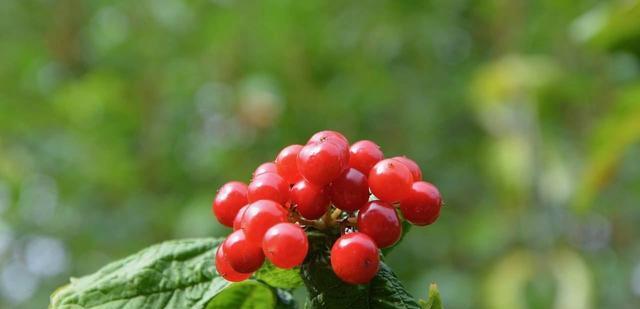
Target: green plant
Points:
(335, 255)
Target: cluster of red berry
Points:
(323, 184)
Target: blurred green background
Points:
(119, 120)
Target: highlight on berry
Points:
(326, 185)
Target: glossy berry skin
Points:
(422, 205)
(225, 270)
(285, 245)
(327, 134)
(321, 163)
(354, 258)
(312, 201)
(230, 198)
(363, 155)
(390, 180)
(350, 191)
(413, 167)
(259, 217)
(267, 167)
(380, 221)
(243, 255)
(268, 186)
(287, 165)
(238, 219)
(334, 137)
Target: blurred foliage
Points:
(119, 119)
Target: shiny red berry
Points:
(320, 163)
(327, 134)
(267, 167)
(285, 245)
(350, 191)
(225, 270)
(354, 258)
(363, 155)
(243, 255)
(422, 205)
(259, 217)
(230, 198)
(269, 186)
(238, 219)
(287, 165)
(312, 201)
(380, 221)
(416, 172)
(390, 180)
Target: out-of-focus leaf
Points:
(616, 27)
(615, 133)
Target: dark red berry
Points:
(354, 258)
(243, 255)
(269, 186)
(267, 167)
(238, 220)
(312, 201)
(390, 180)
(380, 221)
(287, 165)
(259, 217)
(321, 163)
(350, 191)
(285, 245)
(225, 270)
(363, 155)
(416, 172)
(422, 205)
(230, 198)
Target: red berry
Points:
(327, 134)
(321, 163)
(412, 166)
(312, 201)
(354, 258)
(380, 221)
(225, 270)
(363, 155)
(267, 167)
(422, 205)
(243, 255)
(259, 217)
(269, 186)
(238, 220)
(350, 191)
(285, 245)
(390, 180)
(332, 136)
(230, 198)
(287, 165)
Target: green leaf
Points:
(278, 277)
(434, 301)
(247, 294)
(327, 291)
(173, 274)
